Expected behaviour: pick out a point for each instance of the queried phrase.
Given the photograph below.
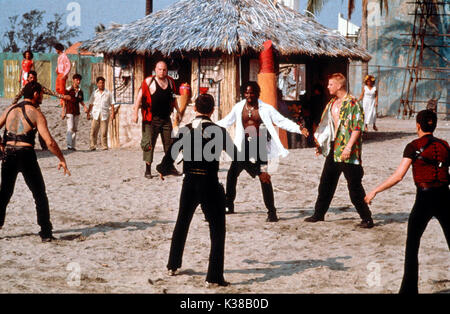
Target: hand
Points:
(88, 115)
(369, 197)
(318, 150)
(2, 148)
(264, 177)
(63, 115)
(345, 154)
(86, 110)
(64, 166)
(66, 97)
(135, 117)
(305, 132)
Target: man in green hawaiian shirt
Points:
(338, 138)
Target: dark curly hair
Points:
(25, 52)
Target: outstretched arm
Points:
(395, 178)
(286, 124)
(50, 142)
(229, 119)
(166, 164)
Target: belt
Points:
(430, 186)
(16, 148)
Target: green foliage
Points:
(29, 32)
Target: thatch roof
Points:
(228, 26)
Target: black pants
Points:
(204, 190)
(429, 204)
(150, 132)
(328, 182)
(255, 149)
(24, 160)
(233, 173)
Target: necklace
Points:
(249, 110)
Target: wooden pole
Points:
(267, 80)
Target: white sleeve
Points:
(283, 122)
(229, 119)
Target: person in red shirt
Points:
(62, 70)
(27, 66)
(429, 157)
(157, 101)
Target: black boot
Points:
(229, 208)
(148, 171)
(272, 216)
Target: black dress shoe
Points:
(272, 217)
(216, 284)
(229, 209)
(366, 224)
(313, 219)
(48, 238)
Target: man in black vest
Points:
(21, 122)
(157, 101)
(429, 157)
(202, 142)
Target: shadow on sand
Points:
(279, 269)
(100, 228)
(369, 137)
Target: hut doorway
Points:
(123, 80)
(179, 69)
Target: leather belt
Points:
(430, 185)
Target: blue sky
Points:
(94, 12)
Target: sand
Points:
(114, 227)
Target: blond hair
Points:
(339, 77)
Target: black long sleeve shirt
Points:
(202, 143)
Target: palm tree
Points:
(148, 7)
(315, 6)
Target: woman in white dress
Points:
(369, 97)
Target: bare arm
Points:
(395, 178)
(376, 98)
(362, 94)
(137, 105)
(18, 96)
(42, 127)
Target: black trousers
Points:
(429, 204)
(256, 149)
(150, 132)
(328, 182)
(206, 191)
(24, 160)
(233, 173)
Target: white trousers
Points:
(72, 128)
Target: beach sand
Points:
(114, 227)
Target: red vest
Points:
(432, 164)
(146, 108)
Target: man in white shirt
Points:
(101, 104)
(250, 115)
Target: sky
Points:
(94, 12)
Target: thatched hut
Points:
(215, 44)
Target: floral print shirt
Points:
(351, 118)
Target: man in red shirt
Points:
(156, 100)
(429, 157)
